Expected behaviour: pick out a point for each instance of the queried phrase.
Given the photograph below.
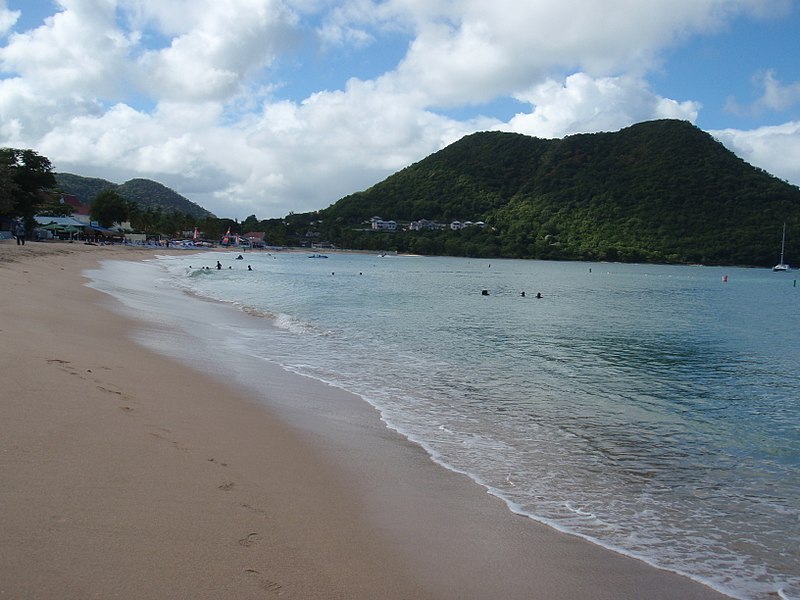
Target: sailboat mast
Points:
(781, 266)
(783, 241)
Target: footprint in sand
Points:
(266, 584)
(108, 391)
(227, 487)
(250, 539)
(259, 511)
(64, 365)
(157, 435)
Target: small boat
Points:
(318, 256)
(782, 266)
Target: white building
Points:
(381, 225)
(422, 225)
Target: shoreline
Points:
(106, 446)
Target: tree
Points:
(8, 190)
(54, 208)
(250, 224)
(144, 220)
(29, 173)
(108, 207)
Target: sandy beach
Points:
(127, 475)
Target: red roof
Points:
(74, 202)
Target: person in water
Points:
(219, 265)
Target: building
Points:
(381, 225)
(256, 238)
(423, 225)
(80, 211)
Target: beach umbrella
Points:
(72, 230)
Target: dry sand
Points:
(126, 475)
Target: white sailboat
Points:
(782, 266)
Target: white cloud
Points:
(307, 155)
(226, 43)
(79, 51)
(7, 18)
(775, 96)
(473, 51)
(774, 149)
(584, 104)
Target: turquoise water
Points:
(652, 409)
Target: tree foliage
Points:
(54, 208)
(8, 190)
(661, 191)
(24, 174)
(108, 207)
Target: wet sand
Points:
(128, 475)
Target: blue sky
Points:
(271, 106)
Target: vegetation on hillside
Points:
(145, 193)
(661, 191)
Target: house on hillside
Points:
(423, 225)
(381, 225)
(459, 225)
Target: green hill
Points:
(660, 191)
(145, 192)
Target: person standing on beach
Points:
(19, 233)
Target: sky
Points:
(266, 107)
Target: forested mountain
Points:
(145, 192)
(661, 191)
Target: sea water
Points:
(652, 409)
